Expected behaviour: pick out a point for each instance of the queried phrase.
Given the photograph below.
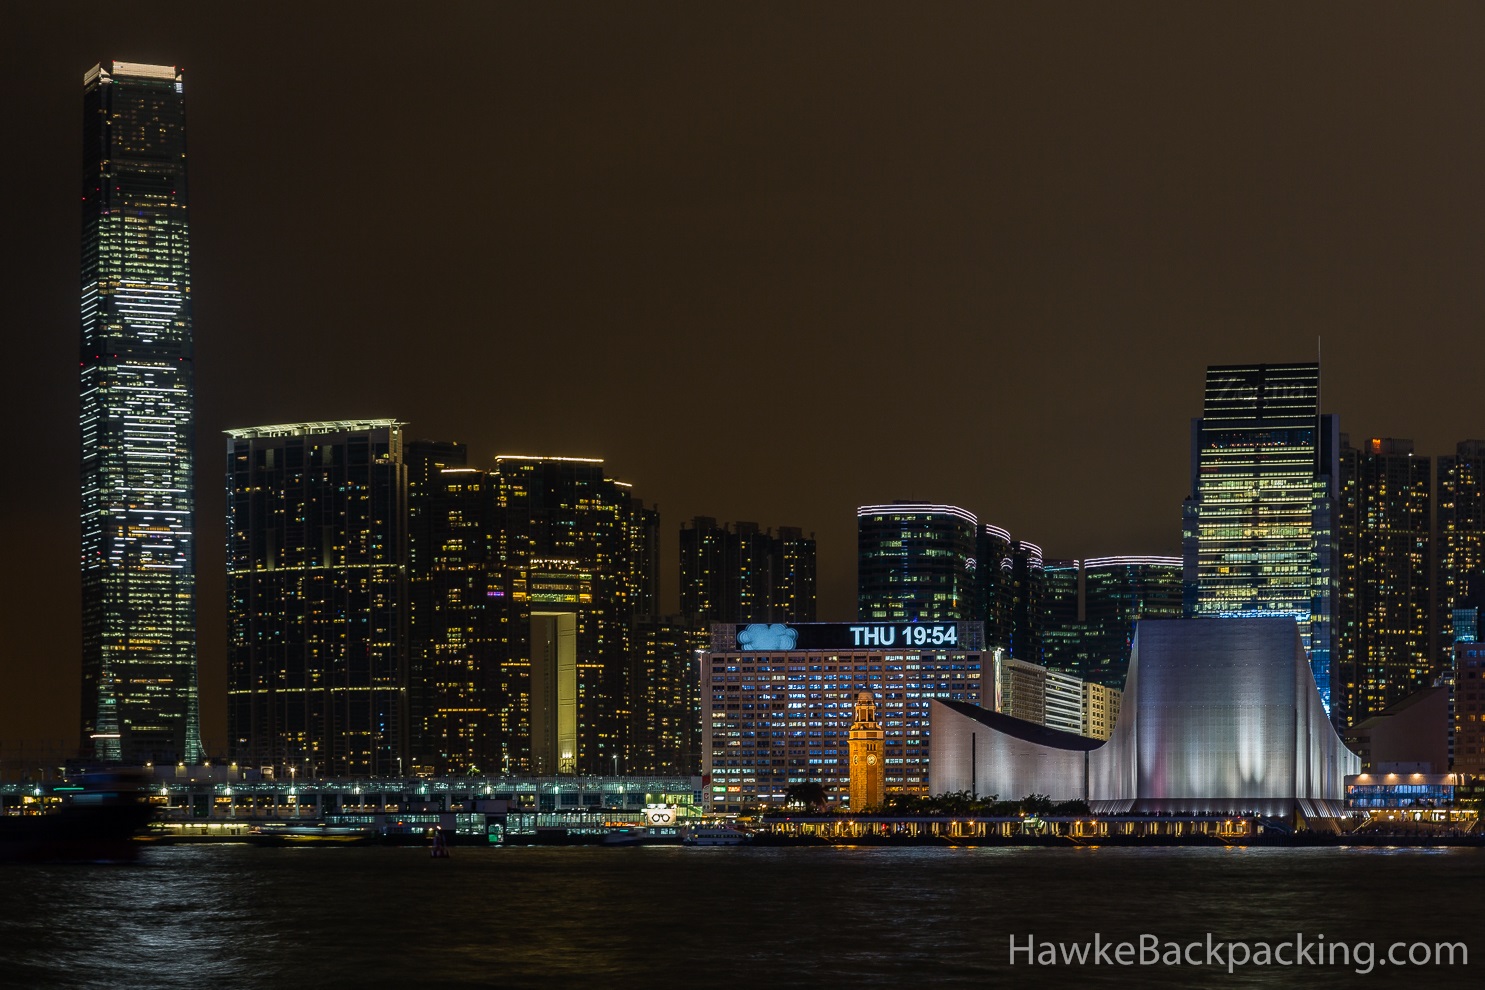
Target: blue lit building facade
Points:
(1259, 525)
(137, 421)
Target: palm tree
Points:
(810, 793)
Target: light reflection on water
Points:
(230, 916)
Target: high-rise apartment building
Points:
(317, 597)
(564, 548)
(1460, 546)
(916, 562)
(1384, 613)
(736, 572)
(137, 419)
(1258, 527)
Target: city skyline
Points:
(675, 218)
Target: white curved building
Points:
(1219, 716)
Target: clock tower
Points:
(868, 769)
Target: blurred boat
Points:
(99, 823)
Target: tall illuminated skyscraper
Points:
(137, 420)
(1384, 614)
(1460, 538)
(1258, 528)
(317, 554)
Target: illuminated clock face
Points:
(871, 759)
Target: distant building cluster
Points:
(393, 609)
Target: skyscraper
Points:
(317, 597)
(916, 563)
(1117, 593)
(1092, 607)
(1258, 535)
(137, 420)
(1460, 558)
(1384, 614)
(564, 545)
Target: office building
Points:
(995, 585)
(317, 598)
(916, 563)
(736, 572)
(1062, 615)
(1384, 611)
(1092, 606)
(137, 420)
(779, 701)
(1117, 593)
(1258, 527)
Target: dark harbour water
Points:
(236, 916)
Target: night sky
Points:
(771, 263)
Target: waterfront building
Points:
(1460, 536)
(735, 572)
(1411, 735)
(317, 597)
(1258, 526)
(1218, 716)
(916, 563)
(1384, 613)
(868, 759)
(778, 702)
(1469, 708)
(137, 420)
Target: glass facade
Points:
(916, 562)
(1258, 537)
(137, 420)
(317, 597)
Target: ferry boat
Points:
(715, 835)
(97, 822)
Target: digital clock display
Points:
(809, 636)
(909, 634)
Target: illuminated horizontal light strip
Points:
(917, 508)
(546, 457)
(1129, 561)
(993, 530)
(136, 70)
(307, 429)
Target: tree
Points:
(810, 793)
